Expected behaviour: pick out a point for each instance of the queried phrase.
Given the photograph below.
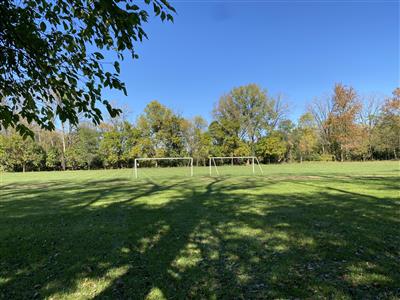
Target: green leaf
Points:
(117, 68)
(98, 55)
(43, 26)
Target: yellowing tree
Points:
(342, 120)
(307, 138)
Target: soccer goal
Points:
(222, 162)
(186, 162)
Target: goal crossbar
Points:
(163, 158)
(253, 160)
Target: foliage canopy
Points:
(52, 56)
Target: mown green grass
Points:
(312, 230)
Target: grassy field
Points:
(312, 230)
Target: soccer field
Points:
(310, 230)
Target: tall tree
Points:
(111, 147)
(53, 158)
(218, 139)
(197, 139)
(247, 112)
(82, 150)
(369, 117)
(342, 120)
(162, 131)
(321, 110)
(287, 128)
(52, 50)
(151, 124)
(306, 136)
(88, 144)
(130, 143)
(388, 127)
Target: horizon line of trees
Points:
(246, 121)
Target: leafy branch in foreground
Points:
(52, 56)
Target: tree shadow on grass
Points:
(197, 239)
(374, 181)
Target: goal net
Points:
(163, 166)
(234, 165)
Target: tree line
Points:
(246, 121)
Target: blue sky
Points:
(297, 48)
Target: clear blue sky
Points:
(298, 48)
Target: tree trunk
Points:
(63, 147)
(341, 154)
(23, 167)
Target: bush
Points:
(323, 157)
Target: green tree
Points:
(72, 153)
(243, 149)
(83, 147)
(3, 152)
(271, 148)
(247, 112)
(197, 139)
(162, 131)
(151, 125)
(53, 158)
(111, 150)
(130, 144)
(22, 154)
(119, 144)
(88, 144)
(173, 137)
(217, 136)
(287, 129)
(51, 66)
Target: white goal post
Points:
(190, 159)
(254, 160)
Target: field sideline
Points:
(311, 230)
